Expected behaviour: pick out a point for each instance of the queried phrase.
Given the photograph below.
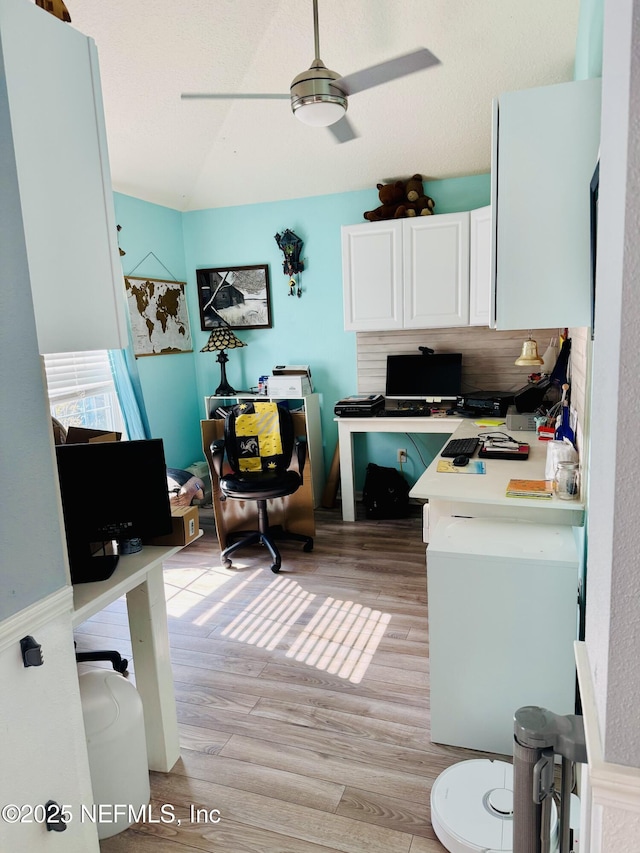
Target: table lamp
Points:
(221, 339)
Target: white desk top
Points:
(132, 570)
(400, 424)
(490, 488)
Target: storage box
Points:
(186, 527)
(289, 386)
(84, 435)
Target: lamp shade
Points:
(319, 112)
(550, 356)
(529, 357)
(222, 338)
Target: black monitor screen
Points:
(111, 490)
(437, 375)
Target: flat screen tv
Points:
(112, 491)
(436, 376)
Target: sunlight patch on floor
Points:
(187, 589)
(269, 616)
(341, 639)
(206, 616)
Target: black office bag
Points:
(385, 493)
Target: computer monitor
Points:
(436, 376)
(111, 490)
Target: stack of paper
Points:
(530, 489)
(474, 466)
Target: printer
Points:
(485, 403)
(290, 380)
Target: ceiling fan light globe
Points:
(317, 111)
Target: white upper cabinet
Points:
(372, 275)
(480, 267)
(54, 110)
(436, 271)
(406, 273)
(545, 149)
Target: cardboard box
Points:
(186, 527)
(84, 435)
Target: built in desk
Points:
(502, 591)
(484, 495)
(347, 427)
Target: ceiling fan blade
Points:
(186, 96)
(343, 130)
(418, 60)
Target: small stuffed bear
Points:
(390, 195)
(416, 203)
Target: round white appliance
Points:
(472, 808)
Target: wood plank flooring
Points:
(303, 697)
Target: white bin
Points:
(114, 728)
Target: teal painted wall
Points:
(151, 236)
(308, 330)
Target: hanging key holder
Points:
(291, 246)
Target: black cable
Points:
(417, 448)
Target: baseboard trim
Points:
(31, 618)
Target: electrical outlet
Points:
(402, 456)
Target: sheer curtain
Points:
(127, 384)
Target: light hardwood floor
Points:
(303, 697)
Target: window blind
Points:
(82, 391)
(73, 373)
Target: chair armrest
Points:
(300, 448)
(217, 455)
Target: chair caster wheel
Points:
(226, 563)
(275, 568)
(122, 666)
(308, 546)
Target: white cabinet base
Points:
(502, 600)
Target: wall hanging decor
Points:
(291, 246)
(237, 297)
(159, 317)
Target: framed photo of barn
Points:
(234, 296)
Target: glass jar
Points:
(567, 480)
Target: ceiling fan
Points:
(319, 95)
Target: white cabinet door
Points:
(54, 110)
(436, 271)
(544, 154)
(372, 276)
(480, 266)
(44, 750)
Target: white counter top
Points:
(484, 494)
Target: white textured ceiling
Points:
(199, 154)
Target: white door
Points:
(436, 270)
(372, 276)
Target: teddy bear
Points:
(416, 202)
(391, 196)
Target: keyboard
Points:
(405, 413)
(461, 447)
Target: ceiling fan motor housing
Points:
(318, 85)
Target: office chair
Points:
(260, 446)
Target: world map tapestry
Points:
(159, 317)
